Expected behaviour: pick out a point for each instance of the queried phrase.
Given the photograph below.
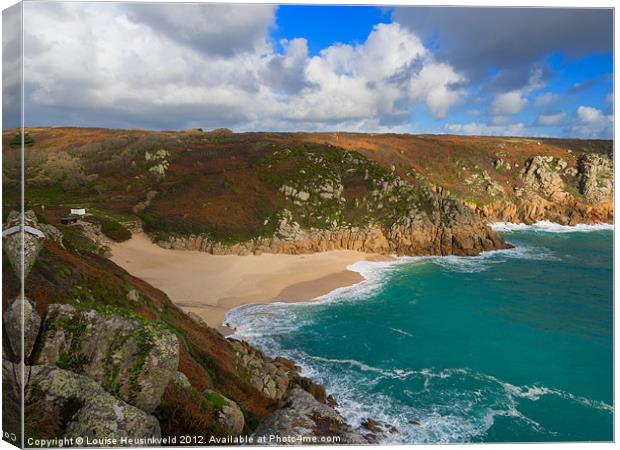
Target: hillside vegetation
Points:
(236, 188)
(100, 340)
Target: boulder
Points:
(51, 232)
(180, 380)
(314, 389)
(89, 410)
(228, 414)
(269, 378)
(12, 319)
(542, 175)
(130, 357)
(133, 296)
(303, 417)
(377, 429)
(372, 425)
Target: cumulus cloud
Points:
(590, 122)
(219, 29)
(287, 72)
(180, 65)
(545, 120)
(513, 102)
(587, 114)
(436, 85)
(509, 42)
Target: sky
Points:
(482, 71)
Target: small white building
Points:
(78, 211)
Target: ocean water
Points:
(512, 345)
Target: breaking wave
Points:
(447, 405)
(437, 408)
(551, 227)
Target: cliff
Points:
(551, 190)
(106, 353)
(108, 357)
(247, 193)
(521, 180)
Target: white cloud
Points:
(433, 84)
(222, 29)
(483, 129)
(591, 122)
(546, 120)
(175, 66)
(513, 102)
(590, 115)
(547, 99)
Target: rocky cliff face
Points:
(101, 375)
(243, 193)
(344, 201)
(596, 178)
(81, 382)
(552, 190)
(410, 237)
(106, 372)
(133, 358)
(303, 418)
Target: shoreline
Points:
(211, 285)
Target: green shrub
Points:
(17, 140)
(115, 231)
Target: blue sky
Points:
(534, 72)
(323, 26)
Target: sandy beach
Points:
(209, 285)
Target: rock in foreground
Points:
(304, 420)
(89, 410)
(129, 357)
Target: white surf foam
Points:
(550, 227)
(376, 273)
(450, 414)
(250, 322)
(399, 331)
(457, 416)
(438, 412)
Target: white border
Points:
(485, 3)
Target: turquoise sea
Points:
(512, 345)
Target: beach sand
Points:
(209, 285)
